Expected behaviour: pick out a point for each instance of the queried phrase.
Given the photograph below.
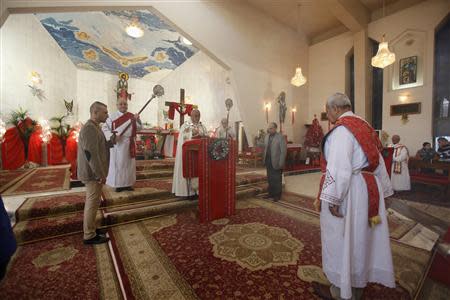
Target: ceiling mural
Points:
(98, 41)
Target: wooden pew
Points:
(417, 166)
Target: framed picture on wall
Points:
(323, 116)
(408, 70)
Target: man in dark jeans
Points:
(274, 158)
(7, 240)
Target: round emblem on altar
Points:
(219, 149)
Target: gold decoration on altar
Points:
(54, 257)
(82, 36)
(256, 246)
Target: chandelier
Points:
(384, 57)
(298, 79)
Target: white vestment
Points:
(179, 183)
(222, 133)
(400, 181)
(353, 253)
(122, 168)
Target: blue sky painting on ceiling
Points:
(98, 41)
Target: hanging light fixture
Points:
(298, 79)
(384, 57)
(134, 29)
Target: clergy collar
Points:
(347, 114)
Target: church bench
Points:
(417, 174)
(252, 156)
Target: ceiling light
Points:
(298, 79)
(134, 30)
(384, 57)
(186, 41)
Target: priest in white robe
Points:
(221, 131)
(355, 246)
(181, 187)
(122, 163)
(400, 173)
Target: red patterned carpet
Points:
(61, 268)
(259, 253)
(8, 178)
(398, 227)
(35, 207)
(145, 165)
(42, 180)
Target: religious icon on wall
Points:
(122, 86)
(408, 70)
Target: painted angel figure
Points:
(281, 99)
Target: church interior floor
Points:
(48, 228)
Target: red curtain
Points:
(55, 150)
(13, 151)
(35, 147)
(71, 153)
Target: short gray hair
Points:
(339, 100)
(273, 124)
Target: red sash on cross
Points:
(175, 106)
(122, 120)
(371, 145)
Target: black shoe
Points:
(276, 199)
(129, 188)
(98, 239)
(101, 231)
(118, 190)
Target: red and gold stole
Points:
(371, 145)
(119, 122)
(398, 164)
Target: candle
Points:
(267, 106)
(293, 111)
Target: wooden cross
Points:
(181, 104)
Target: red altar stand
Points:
(216, 178)
(388, 154)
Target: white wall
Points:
(261, 53)
(98, 86)
(423, 17)
(206, 84)
(327, 69)
(327, 72)
(25, 47)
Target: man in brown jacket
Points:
(93, 163)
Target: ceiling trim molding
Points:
(352, 13)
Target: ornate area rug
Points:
(264, 251)
(398, 226)
(61, 268)
(153, 174)
(143, 165)
(8, 178)
(52, 226)
(35, 207)
(425, 194)
(439, 212)
(42, 180)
